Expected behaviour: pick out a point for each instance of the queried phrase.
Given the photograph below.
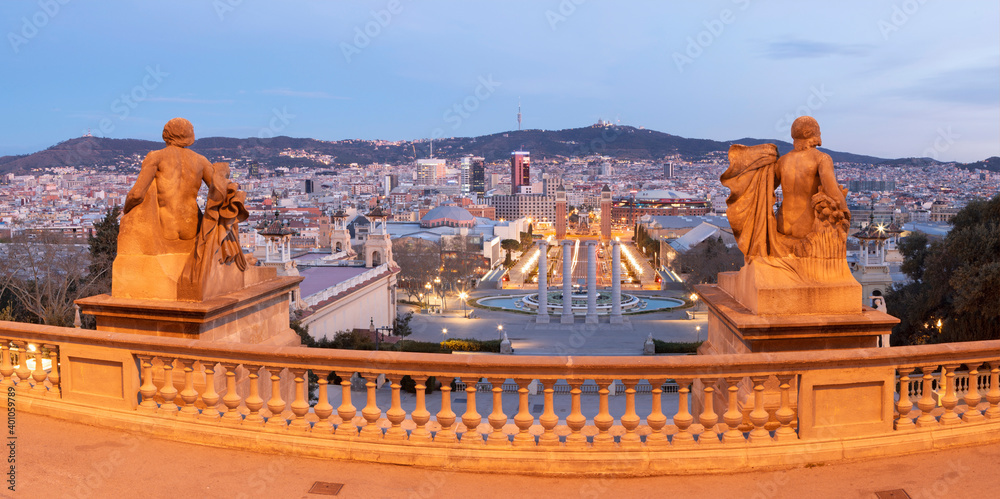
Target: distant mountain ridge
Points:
(620, 142)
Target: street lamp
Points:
(371, 330)
(444, 331)
(500, 331)
(698, 329)
(462, 296)
(428, 288)
(439, 291)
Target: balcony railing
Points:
(728, 412)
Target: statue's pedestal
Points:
(735, 328)
(257, 314)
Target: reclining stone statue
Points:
(803, 242)
(167, 248)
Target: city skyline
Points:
(888, 79)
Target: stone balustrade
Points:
(797, 408)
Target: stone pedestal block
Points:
(254, 315)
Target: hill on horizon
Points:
(619, 142)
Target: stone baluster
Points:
(904, 405)
(576, 420)
(22, 366)
(603, 420)
(497, 419)
(346, 411)
(210, 398)
(420, 414)
(630, 420)
(38, 374)
(708, 418)
(147, 389)
(523, 419)
(445, 417)
(733, 417)
(371, 412)
(300, 406)
(275, 404)
(231, 399)
(54, 378)
(548, 419)
(168, 392)
(471, 418)
(972, 398)
(683, 418)
(993, 395)
(323, 409)
(785, 414)
(926, 402)
(950, 399)
(254, 402)
(656, 419)
(189, 395)
(759, 416)
(395, 414)
(6, 366)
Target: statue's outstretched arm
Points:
(146, 175)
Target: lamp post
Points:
(500, 331)
(428, 288)
(698, 330)
(440, 292)
(371, 329)
(462, 296)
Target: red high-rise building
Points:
(520, 172)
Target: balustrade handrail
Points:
(547, 367)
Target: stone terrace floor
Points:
(62, 459)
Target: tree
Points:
(419, 262)
(509, 245)
(955, 281)
(461, 260)
(704, 262)
(527, 241)
(45, 273)
(103, 250)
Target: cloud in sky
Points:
(188, 100)
(808, 49)
(286, 92)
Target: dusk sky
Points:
(884, 78)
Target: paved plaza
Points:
(62, 459)
(529, 338)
